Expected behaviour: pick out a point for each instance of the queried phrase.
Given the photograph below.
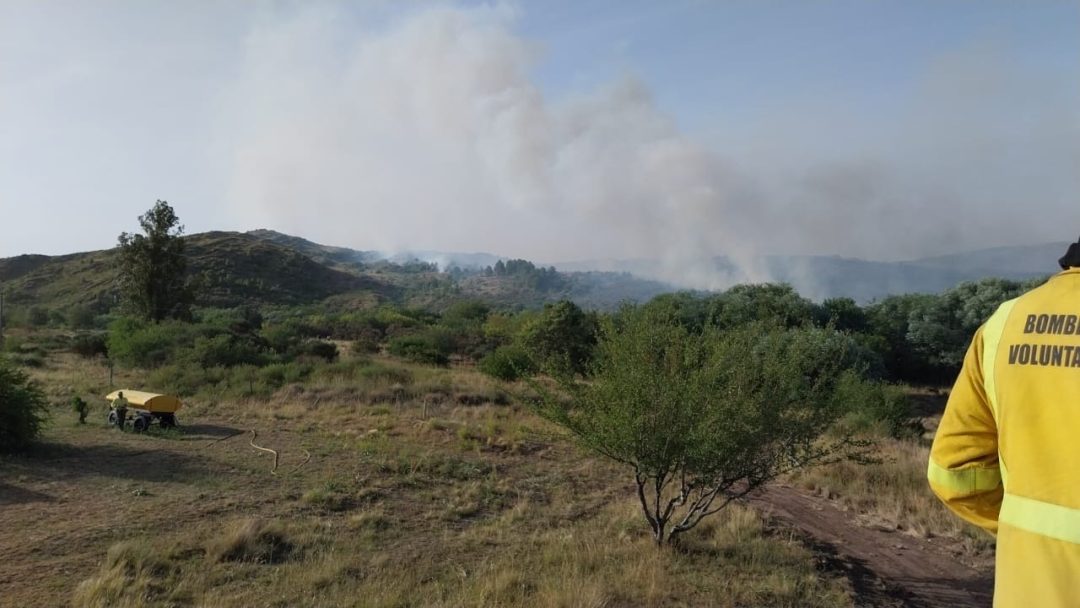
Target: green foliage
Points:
(138, 343)
(285, 337)
(22, 409)
(688, 309)
(467, 311)
(38, 316)
(844, 314)
(509, 362)
(769, 302)
(279, 374)
(320, 349)
(562, 338)
(79, 406)
(82, 317)
(888, 322)
(874, 407)
(226, 350)
(153, 268)
(540, 279)
(705, 417)
(89, 345)
(941, 329)
(427, 348)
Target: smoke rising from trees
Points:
(430, 133)
(430, 128)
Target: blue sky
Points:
(549, 130)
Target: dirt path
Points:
(885, 568)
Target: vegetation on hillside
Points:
(153, 268)
(22, 409)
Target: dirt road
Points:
(885, 568)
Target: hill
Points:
(228, 268)
(264, 267)
(325, 254)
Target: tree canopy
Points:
(704, 418)
(22, 409)
(153, 268)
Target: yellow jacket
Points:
(1007, 454)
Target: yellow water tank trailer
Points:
(146, 407)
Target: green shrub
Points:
(697, 415)
(227, 350)
(81, 317)
(13, 344)
(420, 348)
(320, 349)
(38, 316)
(877, 407)
(144, 344)
(284, 337)
(381, 374)
(508, 363)
(365, 345)
(279, 374)
(90, 345)
(29, 359)
(80, 407)
(184, 378)
(562, 339)
(22, 409)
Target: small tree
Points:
(562, 338)
(153, 269)
(705, 418)
(22, 409)
(79, 406)
(38, 316)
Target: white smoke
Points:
(431, 134)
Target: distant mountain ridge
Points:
(820, 277)
(265, 267)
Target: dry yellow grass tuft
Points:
(133, 574)
(251, 540)
(893, 493)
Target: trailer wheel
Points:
(167, 421)
(112, 418)
(140, 424)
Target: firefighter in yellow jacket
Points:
(1007, 454)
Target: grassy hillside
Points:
(228, 269)
(324, 254)
(231, 268)
(13, 268)
(263, 267)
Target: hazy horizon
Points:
(548, 131)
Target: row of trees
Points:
(915, 338)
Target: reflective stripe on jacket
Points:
(1006, 456)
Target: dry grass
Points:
(364, 561)
(893, 493)
(442, 497)
(251, 540)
